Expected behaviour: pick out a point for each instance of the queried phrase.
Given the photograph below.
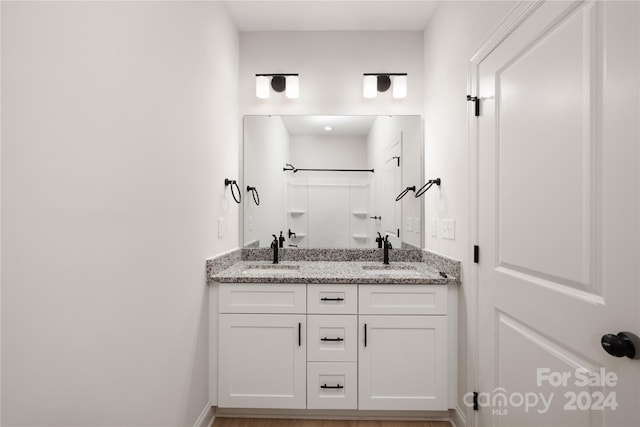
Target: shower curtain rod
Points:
(290, 167)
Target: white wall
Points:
(454, 33)
(330, 152)
(331, 196)
(120, 123)
(266, 140)
(331, 65)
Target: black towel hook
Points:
(405, 191)
(427, 186)
(254, 193)
(233, 183)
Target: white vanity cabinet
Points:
(262, 346)
(332, 347)
(402, 358)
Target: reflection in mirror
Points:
(332, 181)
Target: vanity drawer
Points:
(403, 299)
(332, 385)
(279, 298)
(332, 338)
(332, 299)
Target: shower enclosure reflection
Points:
(332, 181)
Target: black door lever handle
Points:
(622, 344)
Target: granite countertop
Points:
(341, 272)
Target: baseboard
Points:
(343, 414)
(458, 417)
(206, 417)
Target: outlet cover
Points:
(416, 224)
(448, 229)
(434, 232)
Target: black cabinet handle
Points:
(331, 339)
(299, 334)
(365, 334)
(332, 299)
(332, 386)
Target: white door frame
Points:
(508, 24)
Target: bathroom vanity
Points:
(331, 335)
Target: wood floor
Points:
(264, 422)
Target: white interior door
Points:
(558, 215)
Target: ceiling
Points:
(340, 125)
(331, 15)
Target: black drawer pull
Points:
(332, 386)
(331, 339)
(332, 299)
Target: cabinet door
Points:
(403, 362)
(262, 361)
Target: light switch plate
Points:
(448, 229)
(434, 232)
(220, 228)
(408, 224)
(416, 224)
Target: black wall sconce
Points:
(287, 83)
(381, 82)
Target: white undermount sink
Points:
(270, 269)
(388, 270)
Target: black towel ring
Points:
(428, 185)
(404, 192)
(233, 183)
(254, 193)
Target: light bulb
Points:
(292, 87)
(262, 87)
(370, 86)
(400, 87)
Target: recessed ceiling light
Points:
(328, 128)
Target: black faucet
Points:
(387, 246)
(274, 246)
(291, 233)
(281, 240)
(379, 240)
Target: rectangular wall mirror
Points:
(332, 181)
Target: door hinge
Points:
(476, 254)
(476, 101)
(475, 400)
